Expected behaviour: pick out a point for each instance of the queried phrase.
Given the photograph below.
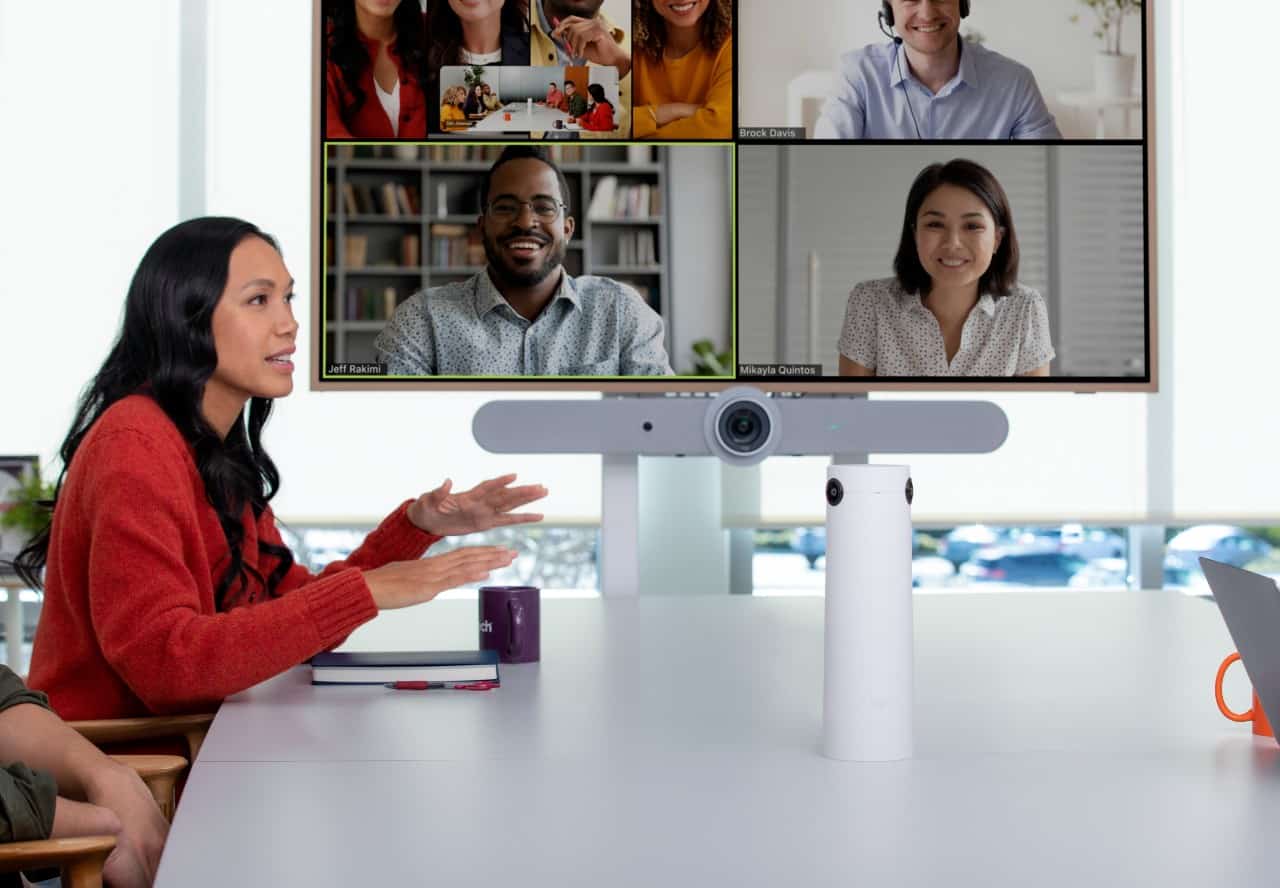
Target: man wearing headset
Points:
(929, 84)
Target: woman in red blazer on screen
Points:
(375, 69)
(168, 586)
(599, 116)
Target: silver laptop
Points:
(1250, 603)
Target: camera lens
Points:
(744, 427)
(835, 492)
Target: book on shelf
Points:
(386, 199)
(637, 248)
(613, 201)
(386, 195)
(489, 153)
(639, 155)
(355, 250)
(370, 303)
(464, 153)
(410, 250)
(454, 246)
(446, 667)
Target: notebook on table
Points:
(383, 667)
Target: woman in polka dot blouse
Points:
(954, 306)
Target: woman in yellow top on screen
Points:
(451, 113)
(683, 63)
(954, 306)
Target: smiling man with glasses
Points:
(524, 315)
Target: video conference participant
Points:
(600, 111)
(574, 102)
(684, 69)
(474, 105)
(575, 33)
(475, 32)
(168, 585)
(492, 101)
(524, 315)
(955, 307)
(375, 84)
(928, 83)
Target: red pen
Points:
(437, 685)
(555, 23)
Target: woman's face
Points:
(680, 13)
(253, 326)
(956, 236)
(377, 8)
(476, 10)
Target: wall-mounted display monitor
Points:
(594, 194)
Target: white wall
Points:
(89, 182)
(701, 234)
(781, 44)
(620, 12)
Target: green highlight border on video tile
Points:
(657, 381)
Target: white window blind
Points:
(757, 253)
(1226, 320)
(1098, 201)
(1068, 457)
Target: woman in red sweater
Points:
(167, 585)
(599, 116)
(375, 69)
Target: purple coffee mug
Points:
(509, 623)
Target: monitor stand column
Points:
(620, 525)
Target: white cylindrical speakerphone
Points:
(868, 664)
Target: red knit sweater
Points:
(129, 625)
(599, 118)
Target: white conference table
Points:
(1061, 739)
(542, 118)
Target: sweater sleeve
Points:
(395, 539)
(27, 802)
(13, 692)
(27, 797)
(153, 618)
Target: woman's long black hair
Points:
(347, 52)
(597, 93)
(165, 350)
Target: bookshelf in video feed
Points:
(946, 193)
(526, 194)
